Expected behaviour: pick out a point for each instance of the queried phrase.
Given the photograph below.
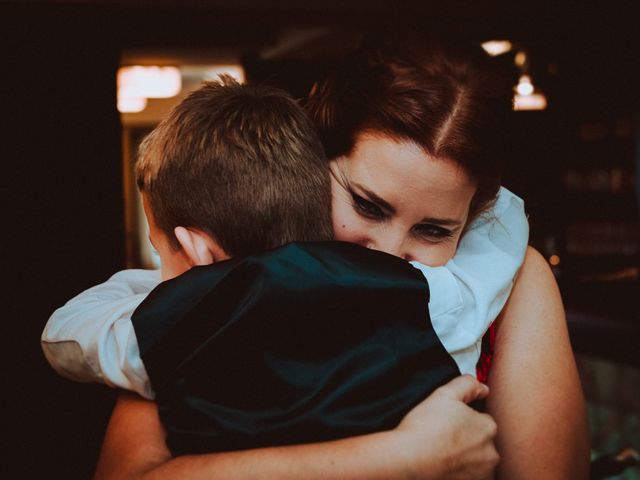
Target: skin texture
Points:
(172, 262)
(536, 397)
(196, 247)
(390, 195)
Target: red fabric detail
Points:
(486, 354)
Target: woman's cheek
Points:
(348, 226)
(349, 236)
(435, 255)
(432, 257)
(348, 230)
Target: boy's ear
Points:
(199, 247)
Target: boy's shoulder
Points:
(138, 274)
(131, 281)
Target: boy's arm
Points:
(468, 293)
(441, 438)
(91, 337)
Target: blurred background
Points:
(83, 81)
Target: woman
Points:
(415, 142)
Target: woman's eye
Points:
(432, 232)
(367, 208)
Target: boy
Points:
(106, 349)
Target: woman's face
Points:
(391, 196)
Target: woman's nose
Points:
(392, 244)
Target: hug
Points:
(340, 281)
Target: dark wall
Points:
(62, 224)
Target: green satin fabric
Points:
(308, 342)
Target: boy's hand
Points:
(444, 432)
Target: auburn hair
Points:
(450, 100)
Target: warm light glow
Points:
(520, 59)
(136, 84)
(131, 104)
(526, 97)
(535, 101)
(554, 260)
(524, 87)
(497, 47)
(234, 71)
(149, 82)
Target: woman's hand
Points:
(444, 438)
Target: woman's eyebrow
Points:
(375, 198)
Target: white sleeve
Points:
(468, 293)
(91, 338)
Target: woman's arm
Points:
(536, 397)
(441, 438)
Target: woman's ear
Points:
(199, 247)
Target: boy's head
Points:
(238, 166)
